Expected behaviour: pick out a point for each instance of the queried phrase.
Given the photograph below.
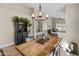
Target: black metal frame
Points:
(2, 52)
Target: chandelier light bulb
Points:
(35, 18)
(43, 18)
(46, 16)
(40, 14)
(33, 15)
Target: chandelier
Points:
(40, 15)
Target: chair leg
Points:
(2, 52)
(53, 52)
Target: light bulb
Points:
(33, 16)
(40, 14)
(46, 16)
(43, 18)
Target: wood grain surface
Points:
(33, 48)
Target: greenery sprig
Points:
(22, 20)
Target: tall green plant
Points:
(22, 20)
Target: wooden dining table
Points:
(33, 48)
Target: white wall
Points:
(7, 11)
(72, 23)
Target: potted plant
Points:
(20, 20)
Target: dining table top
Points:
(33, 48)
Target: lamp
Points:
(40, 15)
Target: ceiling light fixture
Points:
(40, 15)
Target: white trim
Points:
(6, 45)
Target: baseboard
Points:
(6, 45)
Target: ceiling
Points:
(52, 9)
